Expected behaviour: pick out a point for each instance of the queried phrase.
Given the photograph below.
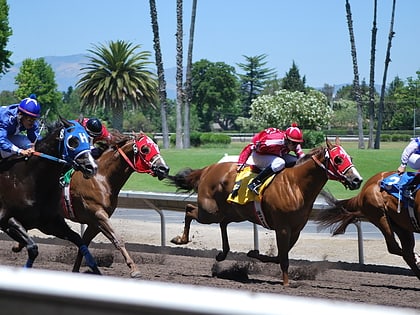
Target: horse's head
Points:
(340, 167)
(147, 158)
(75, 148)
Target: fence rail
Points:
(177, 202)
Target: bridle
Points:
(332, 168)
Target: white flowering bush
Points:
(309, 111)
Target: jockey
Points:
(410, 156)
(270, 152)
(97, 131)
(17, 118)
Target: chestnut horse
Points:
(382, 210)
(93, 201)
(286, 203)
(30, 194)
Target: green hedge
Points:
(198, 139)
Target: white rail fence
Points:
(177, 202)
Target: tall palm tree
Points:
(161, 74)
(116, 75)
(387, 61)
(188, 85)
(372, 78)
(179, 76)
(356, 84)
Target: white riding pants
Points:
(414, 161)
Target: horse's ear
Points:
(328, 143)
(337, 141)
(81, 117)
(65, 122)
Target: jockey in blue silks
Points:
(15, 119)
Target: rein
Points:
(50, 157)
(131, 164)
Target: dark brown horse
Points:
(382, 210)
(30, 194)
(93, 201)
(286, 203)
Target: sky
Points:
(313, 34)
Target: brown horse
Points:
(382, 210)
(286, 203)
(93, 201)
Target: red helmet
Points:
(294, 134)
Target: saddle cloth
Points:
(403, 188)
(244, 195)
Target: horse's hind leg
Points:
(17, 232)
(407, 244)
(225, 242)
(191, 212)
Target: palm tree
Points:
(161, 74)
(356, 85)
(387, 61)
(116, 75)
(188, 85)
(179, 89)
(372, 77)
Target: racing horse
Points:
(30, 194)
(286, 203)
(381, 209)
(93, 201)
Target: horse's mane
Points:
(314, 151)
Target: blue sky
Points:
(312, 33)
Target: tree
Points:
(37, 77)
(310, 110)
(5, 33)
(179, 75)
(356, 85)
(372, 78)
(115, 75)
(254, 79)
(215, 93)
(161, 73)
(188, 84)
(292, 81)
(387, 61)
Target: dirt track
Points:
(373, 284)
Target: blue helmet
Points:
(30, 107)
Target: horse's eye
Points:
(73, 142)
(145, 149)
(338, 160)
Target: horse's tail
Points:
(186, 180)
(339, 215)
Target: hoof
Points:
(177, 240)
(135, 274)
(221, 256)
(16, 248)
(253, 253)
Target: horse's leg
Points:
(225, 242)
(57, 226)
(191, 212)
(108, 231)
(17, 232)
(283, 239)
(18, 247)
(384, 225)
(407, 244)
(88, 235)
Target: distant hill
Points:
(67, 73)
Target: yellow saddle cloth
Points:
(242, 181)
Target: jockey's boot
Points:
(255, 184)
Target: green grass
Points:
(368, 163)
